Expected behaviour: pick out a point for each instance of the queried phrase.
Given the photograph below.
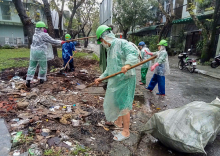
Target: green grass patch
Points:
(13, 58)
(77, 55)
(80, 150)
(51, 152)
(95, 57)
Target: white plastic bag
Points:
(187, 129)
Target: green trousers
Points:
(32, 68)
(143, 75)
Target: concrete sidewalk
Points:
(204, 70)
(209, 71)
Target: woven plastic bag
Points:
(187, 129)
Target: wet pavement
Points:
(182, 88)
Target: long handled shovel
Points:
(80, 38)
(62, 69)
(138, 64)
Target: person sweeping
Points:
(160, 68)
(67, 52)
(144, 68)
(38, 53)
(120, 89)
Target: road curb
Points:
(210, 74)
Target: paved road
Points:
(182, 88)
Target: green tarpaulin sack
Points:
(187, 129)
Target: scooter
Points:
(216, 62)
(186, 63)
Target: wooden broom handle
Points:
(81, 38)
(138, 64)
(69, 61)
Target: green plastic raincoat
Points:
(121, 88)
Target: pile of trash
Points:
(52, 117)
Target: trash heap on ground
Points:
(54, 117)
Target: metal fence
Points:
(13, 41)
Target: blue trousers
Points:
(161, 83)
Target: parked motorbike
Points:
(186, 63)
(216, 62)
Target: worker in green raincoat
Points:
(144, 68)
(39, 53)
(121, 88)
(160, 68)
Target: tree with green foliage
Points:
(87, 13)
(25, 19)
(208, 28)
(170, 16)
(73, 6)
(129, 13)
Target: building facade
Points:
(11, 28)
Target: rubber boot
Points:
(41, 81)
(71, 67)
(28, 83)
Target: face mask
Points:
(105, 45)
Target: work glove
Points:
(149, 53)
(154, 66)
(62, 42)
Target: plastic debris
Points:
(68, 143)
(69, 109)
(16, 153)
(13, 85)
(17, 78)
(15, 120)
(75, 93)
(101, 98)
(34, 150)
(84, 71)
(92, 138)
(64, 136)
(5, 141)
(21, 122)
(17, 137)
(56, 107)
(75, 122)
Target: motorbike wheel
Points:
(191, 68)
(214, 64)
(180, 65)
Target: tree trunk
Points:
(26, 21)
(60, 26)
(206, 40)
(50, 24)
(87, 40)
(215, 18)
(76, 6)
(163, 30)
(61, 19)
(125, 33)
(206, 55)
